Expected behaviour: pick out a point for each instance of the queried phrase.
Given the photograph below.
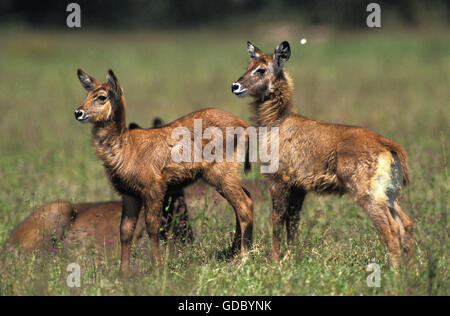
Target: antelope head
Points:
(100, 102)
(262, 71)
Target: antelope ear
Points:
(133, 126)
(157, 122)
(281, 55)
(114, 85)
(254, 51)
(88, 82)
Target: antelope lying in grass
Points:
(325, 158)
(72, 224)
(140, 166)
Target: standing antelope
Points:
(140, 166)
(325, 158)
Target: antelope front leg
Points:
(131, 206)
(279, 206)
(153, 213)
(184, 229)
(296, 198)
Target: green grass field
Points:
(396, 83)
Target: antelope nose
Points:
(235, 86)
(78, 114)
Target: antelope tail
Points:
(400, 152)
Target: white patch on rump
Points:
(382, 182)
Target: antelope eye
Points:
(261, 71)
(101, 98)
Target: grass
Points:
(393, 82)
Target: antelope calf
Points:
(72, 224)
(325, 158)
(97, 224)
(175, 218)
(140, 166)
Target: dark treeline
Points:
(181, 13)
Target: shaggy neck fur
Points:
(110, 136)
(276, 105)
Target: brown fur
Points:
(86, 224)
(175, 218)
(140, 166)
(38, 229)
(325, 158)
(95, 223)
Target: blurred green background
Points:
(174, 57)
(180, 13)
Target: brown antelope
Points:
(325, 158)
(175, 218)
(140, 166)
(71, 224)
(82, 224)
